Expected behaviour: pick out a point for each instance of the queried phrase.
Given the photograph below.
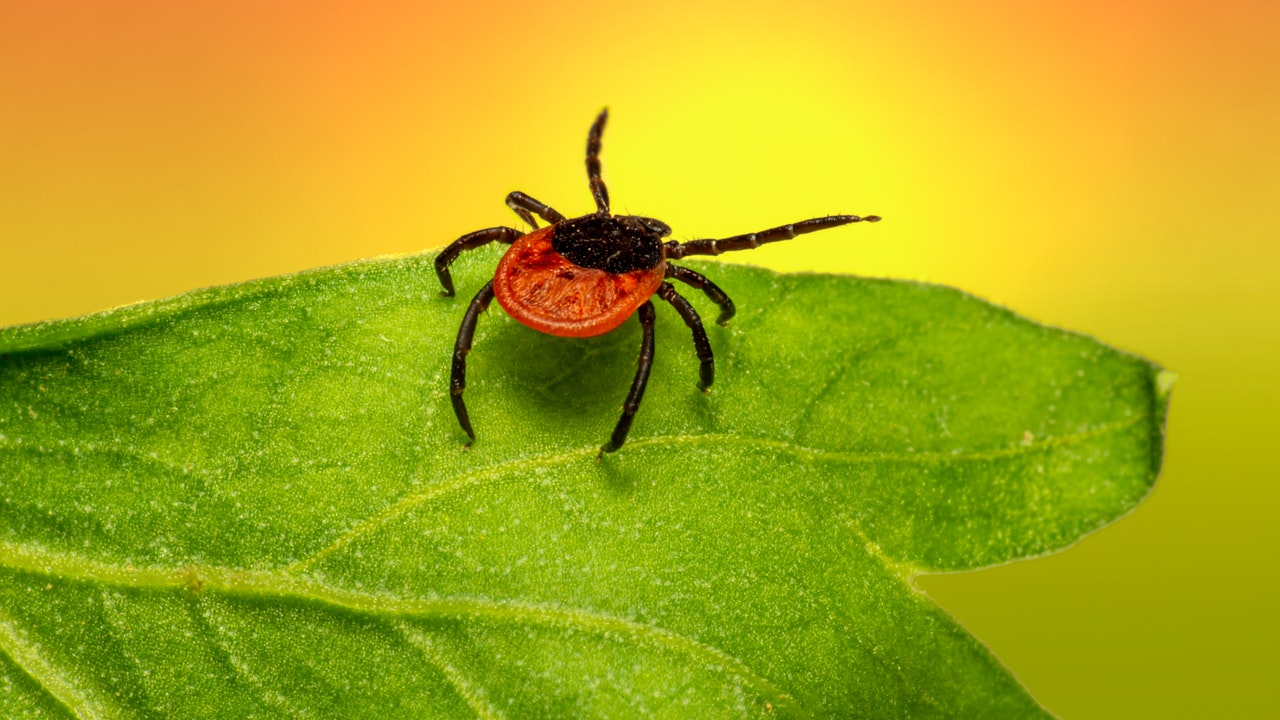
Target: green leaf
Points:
(253, 501)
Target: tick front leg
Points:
(470, 241)
(701, 345)
(526, 207)
(458, 379)
(632, 404)
(676, 250)
(598, 189)
(713, 291)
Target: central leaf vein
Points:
(801, 452)
(277, 585)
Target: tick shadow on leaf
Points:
(571, 387)
(556, 382)
(574, 387)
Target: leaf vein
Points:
(42, 672)
(472, 696)
(270, 698)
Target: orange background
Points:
(1110, 167)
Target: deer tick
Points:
(584, 276)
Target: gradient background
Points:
(1109, 167)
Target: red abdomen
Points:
(542, 289)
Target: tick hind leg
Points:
(526, 207)
(458, 378)
(713, 291)
(645, 364)
(470, 241)
(701, 345)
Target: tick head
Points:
(614, 243)
(650, 225)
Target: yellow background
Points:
(1105, 166)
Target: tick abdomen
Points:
(545, 290)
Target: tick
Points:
(584, 276)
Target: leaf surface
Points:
(252, 501)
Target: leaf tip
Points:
(1162, 387)
(1164, 383)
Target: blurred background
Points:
(1109, 167)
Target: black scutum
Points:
(612, 244)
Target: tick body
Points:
(585, 276)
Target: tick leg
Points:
(676, 250)
(713, 291)
(701, 345)
(526, 207)
(632, 404)
(458, 379)
(470, 241)
(598, 190)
